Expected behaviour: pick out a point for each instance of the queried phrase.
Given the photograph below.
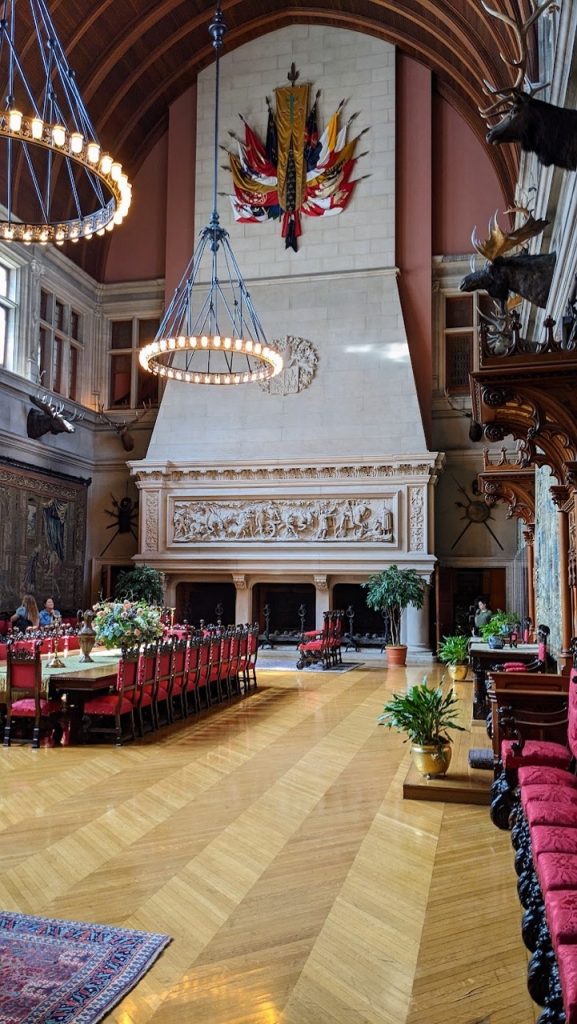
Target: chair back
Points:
(203, 661)
(572, 722)
(164, 666)
(127, 677)
(24, 673)
(180, 652)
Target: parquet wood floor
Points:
(271, 840)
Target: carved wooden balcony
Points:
(528, 390)
(510, 482)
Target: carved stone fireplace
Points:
(316, 523)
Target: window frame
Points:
(135, 400)
(55, 360)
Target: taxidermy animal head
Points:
(51, 419)
(541, 128)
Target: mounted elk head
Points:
(528, 276)
(51, 419)
(541, 128)
(121, 428)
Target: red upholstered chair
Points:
(234, 659)
(317, 648)
(203, 671)
(335, 636)
(249, 667)
(24, 696)
(164, 681)
(214, 677)
(180, 658)
(123, 701)
(147, 674)
(191, 701)
(224, 657)
(539, 664)
(3, 651)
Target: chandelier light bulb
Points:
(115, 171)
(93, 153)
(14, 120)
(76, 142)
(58, 134)
(37, 128)
(106, 162)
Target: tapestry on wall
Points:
(285, 177)
(42, 537)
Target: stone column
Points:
(243, 610)
(560, 496)
(322, 599)
(415, 628)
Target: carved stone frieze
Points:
(416, 519)
(300, 359)
(151, 520)
(329, 519)
(373, 471)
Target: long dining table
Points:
(76, 681)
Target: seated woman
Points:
(49, 616)
(26, 615)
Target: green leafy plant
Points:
(126, 623)
(454, 650)
(142, 583)
(391, 591)
(501, 622)
(423, 714)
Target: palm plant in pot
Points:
(425, 714)
(454, 652)
(391, 591)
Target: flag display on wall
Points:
(295, 171)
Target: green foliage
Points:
(454, 650)
(126, 623)
(499, 623)
(423, 713)
(142, 583)
(391, 591)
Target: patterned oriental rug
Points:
(66, 972)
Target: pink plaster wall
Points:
(136, 251)
(414, 220)
(466, 191)
(180, 237)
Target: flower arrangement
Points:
(126, 623)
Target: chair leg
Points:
(118, 731)
(7, 731)
(36, 736)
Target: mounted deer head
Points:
(51, 420)
(121, 429)
(528, 276)
(541, 128)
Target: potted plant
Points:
(142, 583)
(454, 652)
(391, 591)
(500, 623)
(425, 714)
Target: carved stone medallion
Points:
(300, 363)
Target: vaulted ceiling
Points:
(132, 59)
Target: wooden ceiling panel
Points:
(133, 59)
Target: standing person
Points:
(49, 616)
(483, 614)
(26, 615)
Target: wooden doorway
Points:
(456, 591)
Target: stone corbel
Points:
(239, 580)
(321, 582)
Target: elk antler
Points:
(506, 97)
(499, 242)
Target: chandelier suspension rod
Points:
(217, 30)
